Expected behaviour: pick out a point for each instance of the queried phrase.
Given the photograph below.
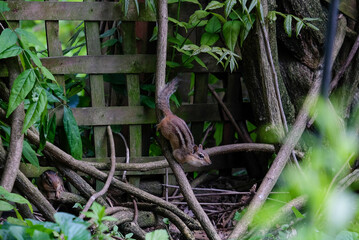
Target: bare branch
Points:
(110, 174)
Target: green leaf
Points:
(154, 34)
(272, 16)
(214, 5)
(252, 5)
(312, 26)
(220, 17)
(109, 43)
(29, 154)
(213, 25)
(200, 62)
(72, 228)
(218, 134)
(35, 109)
(47, 73)
(172, 64)
(148, 101)
(34, 58)
(297, 213)
(209, 38)
(189, 1)
(51, 129)
(229, 6)
(72, 133)
(4, 206)
(298, 28)
(181, 24)
(29, 38)
(7, 39)
(247, 26)
(11, 52)
(197, 16)
(288, 25)
(230, 32)
(108, 33)
(160, 234)
(21, 87)
(13, 197)
(4, 7)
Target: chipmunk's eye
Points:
(200, 155)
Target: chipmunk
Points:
(51, 182)
(177, 132)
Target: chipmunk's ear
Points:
(200, 147)
(195, 148)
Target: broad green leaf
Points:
(51, 129)
(288, 25)
(72, 133)
(213, 25)
(47, 73)
(298, 28)
(35, 109)
(214, 5)
(72, 227)
(29, 38)
(5, 206)
(11, 52)
(34, 58)
(30, 154)
(160, 234)
(21, 87)
(13, 197)
(4, 7)
(7, 39)
(229, 6)
(209, 38)
(197, 16)
(230, 32)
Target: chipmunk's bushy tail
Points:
(165, 94)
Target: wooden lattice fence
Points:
(130, 63)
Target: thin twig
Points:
(244, 137)
(207, 132)
(110, 174)
(342, 70)
(127, 154)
